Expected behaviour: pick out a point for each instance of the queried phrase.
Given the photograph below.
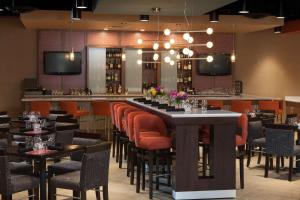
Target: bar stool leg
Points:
(150, 161)
(157, 172)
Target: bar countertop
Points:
(97, 97)
(191, 114)
(294, 99)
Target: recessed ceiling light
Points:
(142, 30)
(144, 18)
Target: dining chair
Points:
(280, 141)
(92, 175)
(271, 105)
(101, 112)
(11, 183)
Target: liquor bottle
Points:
(119, 89)
(189, 78)
(189, 65)
(178, 65)
(116, 77)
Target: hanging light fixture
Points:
(139, 51)
(167, 45)
(76, 14)
(214, 17)
(232, 56)
(81, 4)
(140, 41)
(167, 32)
(244, 9)
(209, 44)
(209, 58)
(71, 56)
(280, 14)
(144, 18)
(278, 29)
(209, 31)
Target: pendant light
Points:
(214, 17)
(280, 14)
(244, 10)
(232, 56)
(278, 29)
(144, 18)
(76, 14)
(81, 4)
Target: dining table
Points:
(39, 157)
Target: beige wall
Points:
(18, 60)
(268, 63)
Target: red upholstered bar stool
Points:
(129, 117)
(216, 103)
(241, 138)
(271, 105)
(114, 127)
(241, 106)
(151, 148)
(41, 106)
(71, 107)
(101, 111)
(122, 138)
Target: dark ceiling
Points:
(257, 8)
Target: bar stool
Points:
(241, 106)
(101, 109)
(71, 107)
(151, 147)
(113, 107)
(131, 150)
(122, 138)
(271, 105)
(216, 103)
(41, 106)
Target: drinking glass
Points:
(204, 105)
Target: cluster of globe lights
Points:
(167, 45)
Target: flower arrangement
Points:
(156, 91)
(178, 97)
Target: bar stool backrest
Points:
(41, 106)
(101, 108)
(241, 106)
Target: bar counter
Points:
(97, 97)
(186, 182)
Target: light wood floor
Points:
(276, 187)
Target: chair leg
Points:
(138, 174)
(117, 146)
(97, 193)
(169, 163)
(249, 155)
(52, 193)
(259, 155)
(277, 164)
(132, 163)
(30, 194)
(114, 138)
(143, 174)
(76, 194)
(282, 161)
(36, 192)
(267, 163)
(50, 175)
(157, 172)
(125, 144)
(105, 192)
(241, 158)
(291, 168)
(82, 195)
(129, 158)
(271, 163)
(151, 157)
(7, 197)
(121, 143)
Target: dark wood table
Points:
(186, 182)
(40, 159)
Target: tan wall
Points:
(18, 53)
(268, 63)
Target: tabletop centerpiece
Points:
(157, 93)
(177, 98)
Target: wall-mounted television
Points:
(221, 66)
(59, 63)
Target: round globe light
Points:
(167, 31)
(185, 51)
(186, 36)
(172, 62)
(172, 52)
(167, 59)
(155, 56)
(140, 41)
(209, 31)
(139, 62)
(209, 44)
(172, 41)
(155, 46)
(209, 58)
(191, 53)
(139, 51)
(167, 45)
(190, 40)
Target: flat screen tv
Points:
(59, 63)
(221, 66)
